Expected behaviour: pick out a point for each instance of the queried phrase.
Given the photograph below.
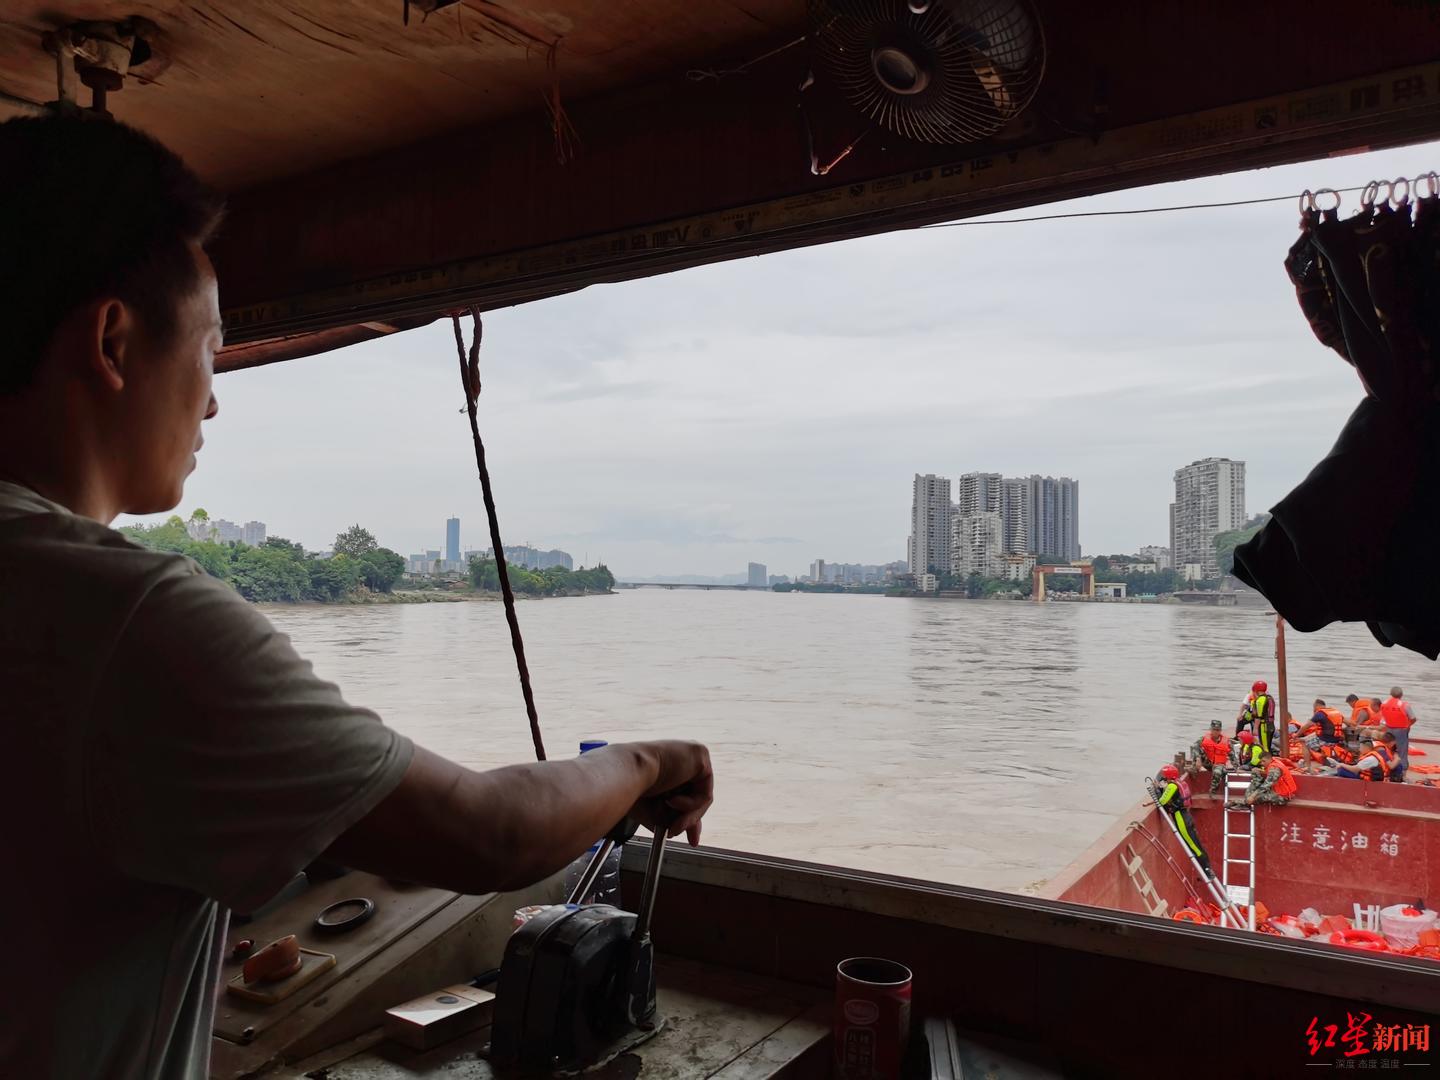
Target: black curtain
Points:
(1359, 539)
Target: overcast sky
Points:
(774, 409)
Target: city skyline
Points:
(609, 431)
(992, 516)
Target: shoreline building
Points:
(756, 576)
(1156, 554)
(1209, 499)
(1015, 516)
(976, 545)
(1054, 516)
(1039, 515)
(930, 525)
(978, 493)
(452, 540)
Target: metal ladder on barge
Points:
(1237, 865)
(1229, 914)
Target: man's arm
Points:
(479, 832)
(1171, 789)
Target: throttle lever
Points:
(640, 990)
(618, 835)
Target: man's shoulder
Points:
(64, 551)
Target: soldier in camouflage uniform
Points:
(1263, 781)
(1213, 752)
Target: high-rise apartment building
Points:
(1015, 515)
(1209, 499)
(253, 533)
(756, 577)
(452, 540)
(930, 525)
(1054, 510)
(976, 545)
(978, 493)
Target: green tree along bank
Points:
(279, 570)
(552, 581)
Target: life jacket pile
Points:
(1338, 752)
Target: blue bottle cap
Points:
(586, 745)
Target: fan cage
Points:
(955, 73)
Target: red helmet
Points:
(1246, 737)
(1169, 772)
(1260, 686)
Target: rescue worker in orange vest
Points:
(1378, 761)
(1399, 718)
(1364, 713)
(1213, 752)
(1325, 736)
(1172, 795)
(1273, 782)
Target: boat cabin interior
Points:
(390, 162)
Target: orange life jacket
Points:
(1394, 713)
(1386, 759)
(1368, 708)
(1285, 785)
(1216, 748)
(1336, 717)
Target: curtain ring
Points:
(1314, 199)
(1396, 199)
(1431, 182)
(1367, 196)
(1307, 202)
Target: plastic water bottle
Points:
(607, 885)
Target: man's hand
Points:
(683, 790)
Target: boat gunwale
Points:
(1267, 960)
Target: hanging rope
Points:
(470, 380)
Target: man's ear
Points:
(112, 346)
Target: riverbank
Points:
(431, 596)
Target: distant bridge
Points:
(685, 585)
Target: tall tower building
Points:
(978, 493)
(452, 540)
(1054, 508)
(930, 525)
(1209, 499)
(1015, 515)
(975, 548)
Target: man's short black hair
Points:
(90, 207)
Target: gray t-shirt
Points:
(168, 756)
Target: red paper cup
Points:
(872, 1018)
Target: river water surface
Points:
(983, 743)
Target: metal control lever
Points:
(618, 835)
(640, 965)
